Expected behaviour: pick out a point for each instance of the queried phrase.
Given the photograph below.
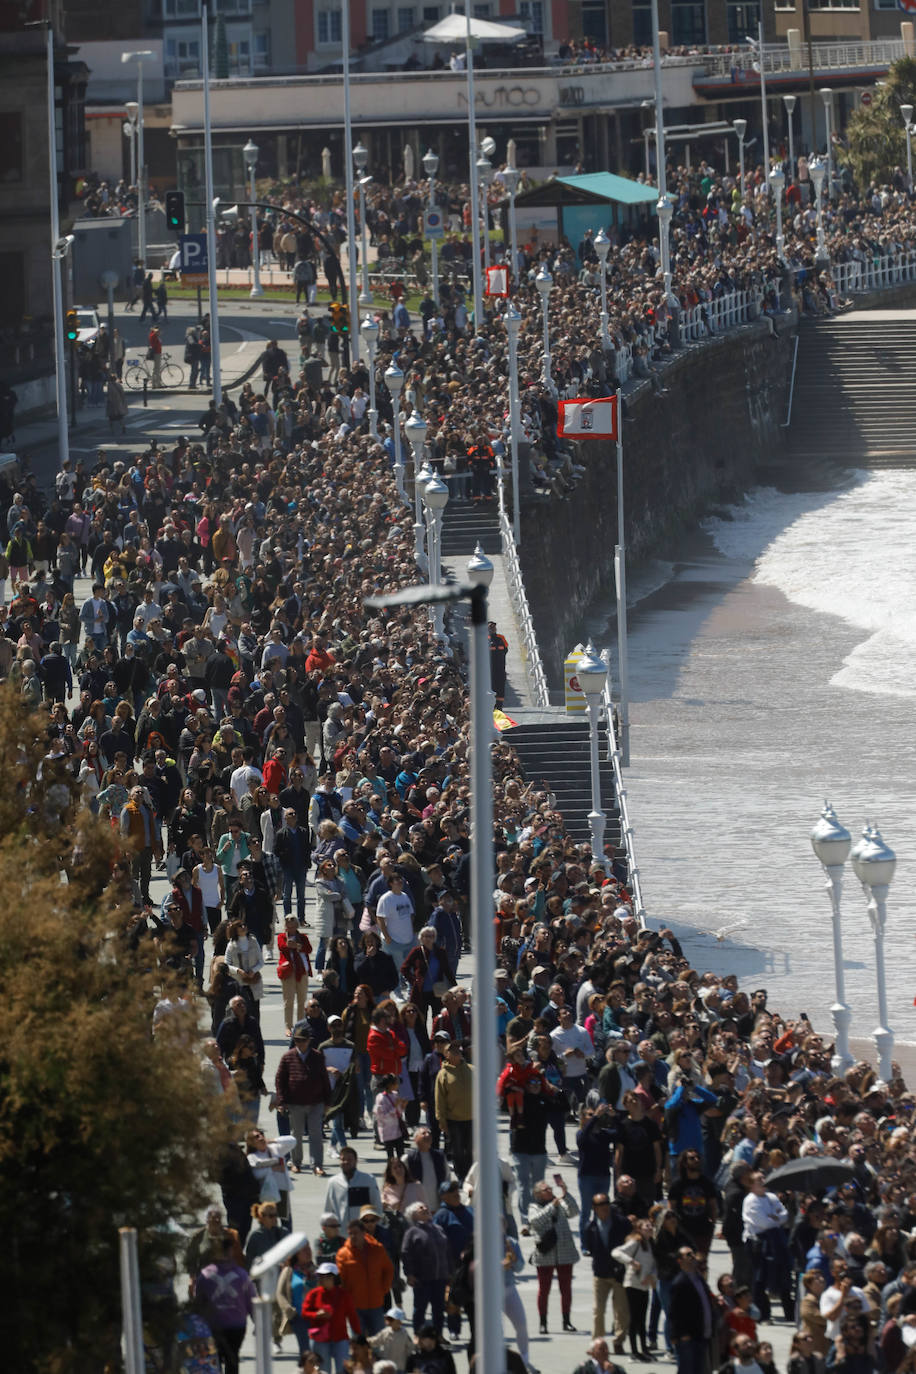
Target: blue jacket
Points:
(692, 1099)
(458, 1225)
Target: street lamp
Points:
(665, 210)
(602, 248)
(513, 325)
(369, 331)
(831, 843)
(394, 380)
(740, 126)
(544, 281)
(130, 132)
(431, 167)
(360, 159)
(817, 170)
(488, 1236)
(484, 179)
(415, 430)
(907, 112)
(789, 102)
(592, 674)
(59, 250)
(874, 863)
(435, 498)
(511, 178)
(250, 154)
(757, 44)
(140, 56)
(778, 182)
(827, 97)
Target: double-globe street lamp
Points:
(818, 171)
(873, 863)
(778, 184)
(431, 167)
(544, 281)
(394, 380)
(370, 331)
(415, 430)
(740, 127)
(140, 56)
(511, 178)
(907, 112)
(360, 162)
(789, 101)
(435, 499)
(250, 154)
(513, 326)
(591, 672)
(602, 246)
(485, 176)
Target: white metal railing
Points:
(626, 829)
(719, 313)
(537, 678)
(779, 57)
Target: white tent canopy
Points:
(454, 29)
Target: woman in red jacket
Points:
(294, 970)
(327, 1309)
(385, 1047)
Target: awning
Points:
(454, 29)
(595, 189)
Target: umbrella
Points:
(810, 1175)
(454, 29)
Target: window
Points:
(688, 24)
(181, 55)
(532, 11)
(431, 14)
(11, 154)
(232, 7)
(744, 19)
(833, 4)
(240, 57)
(12, 297)
(381, 25)
(886, 4)
(262, 49)
(181, 9)
(594, 22)
(481, 11)
(642, 25)
(329, 26)
(406, 19)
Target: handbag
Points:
(548, 1241)
(441, 987)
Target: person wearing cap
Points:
(302, 1089)
(426, 1265)
(328, 1308)
(457, 1221)
(366, 1272)
(455, 1107)
(393, 1342)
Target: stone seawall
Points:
(683, 451)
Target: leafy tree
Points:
(102, 1123)
(875, 135)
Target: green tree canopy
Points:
(875, 134)
(102, 1122)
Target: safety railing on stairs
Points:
(626, 829)
(537, 678)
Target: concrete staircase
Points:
(467, 523)
(557, 749)
(854, 396)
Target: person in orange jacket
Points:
(327, 1309)
(366, 1272)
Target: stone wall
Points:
(685, 450)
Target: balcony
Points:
(786, 63)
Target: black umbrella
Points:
(810, 1175)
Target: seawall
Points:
(696, 445)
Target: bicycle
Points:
(138, 371)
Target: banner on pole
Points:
(497, 281)
(583, 418)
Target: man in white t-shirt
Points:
(244, 774)
(572, 1045)
(835, 1298)
(394, 914)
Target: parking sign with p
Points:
(193, 262)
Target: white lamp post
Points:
(352, 297)
(544, 281)
(789, 102)
(476, 283)
(874, 863)
(827, 97)
(140, 57)
(435, 496)
(130, 132)
(511, 178)
(818, 170)
(250, 154)
(431, 167)
(665, 209)
(831, 843)
(907, 112)
(761, 54)
(513, 325)
(59, 250)
(602, 248)
(394, 380)
(415, 430)
(592, 674)
(360, 160)
(740, 126)
(777, 183)
(479, 570)
(484, 178)
(369, 331)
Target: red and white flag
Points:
(497, 281)
(586, 419)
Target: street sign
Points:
(192, 262)
(433, 227)
(866, 97)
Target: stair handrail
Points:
(537, 678)
(788, 420)
(626, 829)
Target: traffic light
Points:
(340, 318)
(174, 211)
(72, 327)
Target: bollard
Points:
(145, 387)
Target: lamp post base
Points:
(399, 482)
(418, 550)
(256, 292)
(596, 824)
(842, 1058)
(884, 1048)
(373, 422)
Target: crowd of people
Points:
(192, 622)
